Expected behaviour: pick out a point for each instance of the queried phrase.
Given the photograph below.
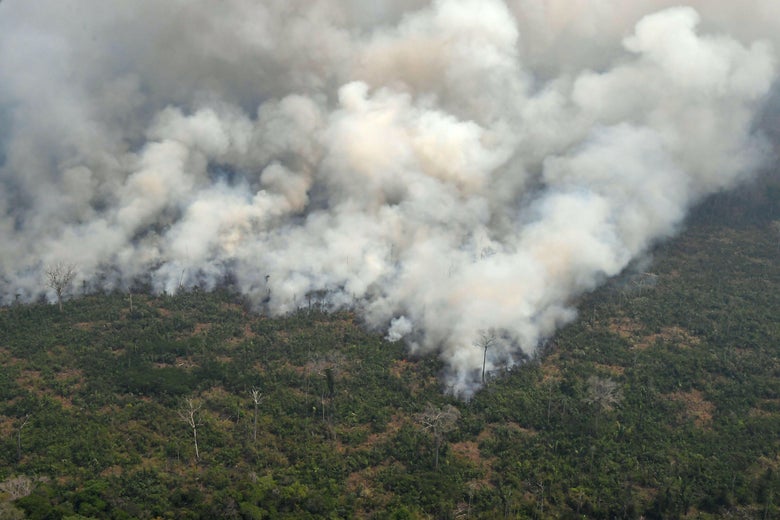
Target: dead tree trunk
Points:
(257, 398)
(189, 414)
(19, 437)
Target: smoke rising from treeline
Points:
(446, 168)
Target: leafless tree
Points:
(603, 393)
(59, 277)
(17, 487)
(257, 398)
(19, 436)
(485, 341)
(438, 421)
(188, 412)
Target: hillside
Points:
(662, 400)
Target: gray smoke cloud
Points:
(445, 168)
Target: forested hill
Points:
(662, 400)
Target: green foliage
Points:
(690, 360)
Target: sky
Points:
(447, 169)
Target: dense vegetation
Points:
(662, 401)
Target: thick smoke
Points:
(447, 168)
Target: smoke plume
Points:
(448, 168)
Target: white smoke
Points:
(446, 168)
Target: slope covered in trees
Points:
(662, 400)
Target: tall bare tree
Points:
(188, 412)
(19, 436)
(485, 341)
(438, 421)
(257, 398)
(604, 394)
(59, 277)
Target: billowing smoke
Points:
(447, 168)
